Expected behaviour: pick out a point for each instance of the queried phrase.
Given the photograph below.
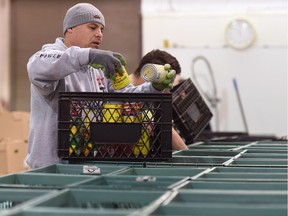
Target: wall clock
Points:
(240, 34)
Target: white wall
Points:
(4, 52)
(197, 28)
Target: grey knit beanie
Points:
(82, 13)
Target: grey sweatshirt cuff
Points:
(84, 56)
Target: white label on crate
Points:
(92, 170)
(146, 179)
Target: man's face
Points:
(88, 35)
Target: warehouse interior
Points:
(234, 58)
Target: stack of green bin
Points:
(210, 178)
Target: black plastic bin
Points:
(190, 112)
(114, 126)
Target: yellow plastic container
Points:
(121, 80)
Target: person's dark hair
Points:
(157, 56)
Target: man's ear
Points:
(70, 30)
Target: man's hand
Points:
(168, 82)
(107, 61)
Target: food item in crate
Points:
(125, 113)
(75, 135)
(111, 113)
(143, 145)
(133, 113)
(79, 131)
(73, 141)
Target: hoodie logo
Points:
(49, 56)
(97, 17)
(100, 81)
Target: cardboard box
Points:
(14, 131)
(14, 125)
(12, 155)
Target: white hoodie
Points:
(58, 68)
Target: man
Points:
(65, 66)
(161, 57)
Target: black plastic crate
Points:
(114, 126)
(190, 112)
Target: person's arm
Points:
(47, 67)
(177, 141)
(146, 87)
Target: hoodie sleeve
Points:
(145, 87)
(47, 67)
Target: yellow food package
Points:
(112, 113)
(121, 80)
(132, 113)
(143, 145)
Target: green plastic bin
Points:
(222, 209)
(179, 172)
(44, 211)
(199, 160)
(212, 147)
(214, 200)
(9, 198)
(149, 183)
(245, 197)
(265, 150)
(39, 181)
(79, 169)
(224, 153)
(98, 200)
(236, 185)
(246, 174)
(268, 155)
(245, 177)
(215, 144)
(262, 162)
(269, 170)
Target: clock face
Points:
(240, 34)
